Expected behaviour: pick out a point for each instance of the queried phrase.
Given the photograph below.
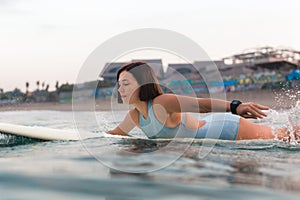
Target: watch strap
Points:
(233, 106)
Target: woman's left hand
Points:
(251, 110)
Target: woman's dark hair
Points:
(146, 78)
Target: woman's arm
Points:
(126, 125)
(178, 103)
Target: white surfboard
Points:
(42, 133)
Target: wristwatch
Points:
(233, 105)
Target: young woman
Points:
(161, 115)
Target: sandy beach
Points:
(275, 99)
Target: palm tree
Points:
(1, 93)
(27, 86)
(38, 85)
(57, 90)
(56, 85)
(47, 87)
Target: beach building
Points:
(198, 69)
(266, 59)
(265, 65)
(181, 70)
(156, 65)
(251, 69)
(110, 70)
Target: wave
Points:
(7, 140)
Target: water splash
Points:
(294, 115)
(294, 123)
(289, 120)
(275, 118)
(287, 96)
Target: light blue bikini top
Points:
(155, 129)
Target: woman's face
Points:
(128, 88)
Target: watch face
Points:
(236, 103)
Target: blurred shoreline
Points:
(275, 99)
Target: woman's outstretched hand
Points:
(251, 110)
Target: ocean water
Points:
(113, 167)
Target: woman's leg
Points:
(249, 130)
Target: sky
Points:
(49, 41)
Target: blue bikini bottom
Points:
(222, 126)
